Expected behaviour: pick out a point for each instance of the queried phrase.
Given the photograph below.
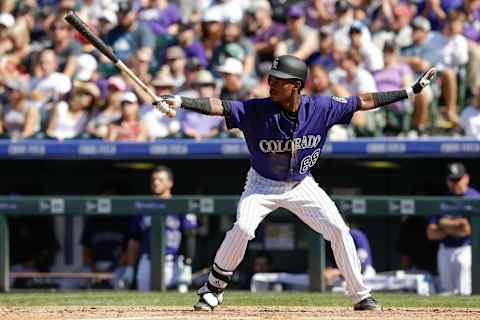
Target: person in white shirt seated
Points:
(470, 119)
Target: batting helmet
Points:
(288, 67)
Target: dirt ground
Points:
(230, 313)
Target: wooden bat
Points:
(98, 43)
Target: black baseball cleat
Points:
(367, 304)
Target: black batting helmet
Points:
(289, 67)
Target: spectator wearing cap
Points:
(232, 10)
(453, 230)
(129, 35)
(299, 39)
(198, 126)
(50, 85)
(212, 31)
(69, 118)
(470, 119)
(422, 55)
(266, 33)
(158, 125)
(109, 112)
(191, 45)
(235, 45)
(65, 47)
(107, 20)
(324, 54)
(160, 16)
(344, 18)
(175, 64)
(372, 56)
(129, 127)
(86, 67)
(20, 119)
(232, 73)
(395, 76)
(140, 62)
(191, 70)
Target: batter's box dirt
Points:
(230, 313)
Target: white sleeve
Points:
(461, 50)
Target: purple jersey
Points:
(282, 149)
(450, 241)
(175, 225)
(363, 247)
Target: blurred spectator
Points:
(356, 80)
(235, 45)
(191, 45)
(395, 76)
(453, 230)
(266, 32)
(69, 118)
(65, 48)
(140, 64)
(345, 17)
(191, 69)
(372, 58)
(320, 12)
(196, 125)
(129, 35)
(176, 63)
(212, 31)
(20, 119)
(129, 127)
(50, 86)
(232, 73)
(396, 27)
(85, 69)
(110, 111)
(422, 55)
(299, 39)
(470, 119)
(158, 124)
(324, 54)
(159, 15)
(179, 231)
(436, 11)
(107, 20)
(232, 10)
(319, 83)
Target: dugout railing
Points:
(381, 206)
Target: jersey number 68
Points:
(309, 161)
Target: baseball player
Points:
(139, 233)
(285, 134)
(453, 230)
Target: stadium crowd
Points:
(55, 85)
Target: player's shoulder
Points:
(258, 102)
(324, 101)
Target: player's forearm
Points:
(455, 227)
(435, 233)
(373, 100)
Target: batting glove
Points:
(168, 105)
(422, 82)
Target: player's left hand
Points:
(424, 80)
(165, 105)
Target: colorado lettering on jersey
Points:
(279, 146)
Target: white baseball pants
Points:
(308, 202)
(143, 273)
(455, 269)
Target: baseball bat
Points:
(98, 43)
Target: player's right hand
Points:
(173, 101)
(168, 105)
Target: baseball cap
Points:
(124, 7)
(88, 87)
(259, 4)
(162, 80)
(109, 16)
(204, 77)
(295, 11)
(86, 65)
(174, 52)
(421, 23)
(118, 83)
(213, 15)
(342, 6)
(17, 85)
(356, 27)
(231, 66)
(128, 97)
(235, 50)
(7, 20)
(456, 171)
